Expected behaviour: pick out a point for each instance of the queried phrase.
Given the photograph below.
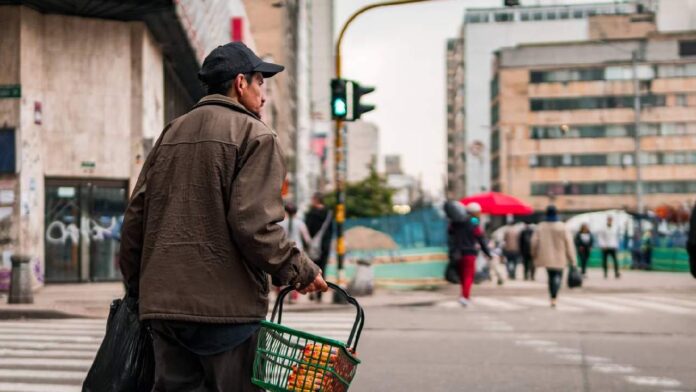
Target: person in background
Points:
(608, 241)
(583, 242)
(525, 239)
(646, 248)
(468, 240)
(553, 249)
(691, 242)
(494, 263)
(319, 222)
(511, 248)
(296, 230)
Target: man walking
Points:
(608, 241)
(200, 235)
(511, 248)
(319, 223)
(468, 239)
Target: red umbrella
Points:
(494, 203)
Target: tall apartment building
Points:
(483, 32)
(362, 144)
(564, 121)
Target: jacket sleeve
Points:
(256, 207)
(133, 229)
(481, 238)
(571, 253)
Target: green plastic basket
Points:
(292, 360)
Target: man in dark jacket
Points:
(468, 240)
(691, 242)
(526, 251)
(319, 221)
(200, 235)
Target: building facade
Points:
(362, 144)
(483, 32)
(85, 90)
(564, 124)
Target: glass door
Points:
(62, 232)
(83, 229)
(107, 205)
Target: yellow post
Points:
(340, 168)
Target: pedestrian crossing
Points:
(55, 355)
(612, 303)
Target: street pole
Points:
(636, 139)
(339, 143)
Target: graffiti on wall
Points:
(58, 233)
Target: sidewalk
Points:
(92, 300)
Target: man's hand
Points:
(317, 285)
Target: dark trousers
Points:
(555, 279)
(529, 268)
(321, 263)
(178, 369)
(605, 256)
(584, 257)
(511, 261)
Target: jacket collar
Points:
(223, 100)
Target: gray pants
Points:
(178, 369)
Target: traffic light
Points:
(339, 99)
(345, 100)
(360, 108)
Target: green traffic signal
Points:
(340, 109)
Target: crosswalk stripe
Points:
(598, 303)
(538, 302)
(651, 305)
(45, 363)
(45, 331)
(54, 376)
(31, 345)
(495, 303)
(25, 353)
(24, 387)
(11, 337)
(61, 327)
(669, 301)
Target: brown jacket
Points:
(200, 233)
(552, 246)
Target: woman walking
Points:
(583, 242)
(553, 248)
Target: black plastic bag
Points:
(574, 277)
(125, 360)
(452, 271)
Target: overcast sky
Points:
(401, 51)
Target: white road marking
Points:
(538, 302)
(535, 343)
(46, 363)
(611, 368)
(653, 381)
(651, 305)
(598, 303)
(496, 304)
(22, 387)
(669, 301)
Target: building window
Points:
(687, 48)
(681, 100)
(591, 103)
(7, 150)
(611, 188)
(504, 17)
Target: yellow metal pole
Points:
(340, 168)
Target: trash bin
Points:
(20, 281)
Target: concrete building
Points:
(362, 143)
(483, 32)
(392, 164)
(298, 34)
(564, 121)
(85, 89)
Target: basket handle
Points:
(359, 314)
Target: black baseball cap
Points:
(227, 61)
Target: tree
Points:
(369, 197)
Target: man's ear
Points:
(240, 83)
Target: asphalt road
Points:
(609, 337)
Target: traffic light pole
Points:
(340, 168)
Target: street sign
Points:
(10, 91)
